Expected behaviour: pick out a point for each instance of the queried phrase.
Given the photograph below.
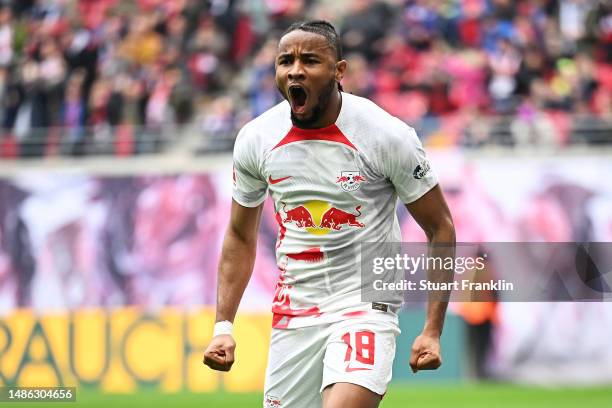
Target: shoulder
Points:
(265, 130)
(371, 126)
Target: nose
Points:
(296, 72)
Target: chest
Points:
(327, 172)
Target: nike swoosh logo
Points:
(351, 369)
(278, 180)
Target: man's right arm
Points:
(235, 269)
(237, 259)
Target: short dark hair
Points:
(320, 27)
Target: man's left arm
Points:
(432, 214)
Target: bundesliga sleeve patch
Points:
(421, 170)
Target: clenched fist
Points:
(219, 355)
(425, 354)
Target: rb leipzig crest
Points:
(350, 180)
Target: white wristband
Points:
(224, 327)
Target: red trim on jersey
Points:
(329, 133)
(282, 312)
(309, 255)
(281, 229)
(355, 314)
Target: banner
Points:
(71, 241)
(126, 349)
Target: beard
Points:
(321, 106)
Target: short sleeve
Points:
(250, 186)
(407, 166)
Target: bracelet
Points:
(224, 327)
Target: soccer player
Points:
(334, 165)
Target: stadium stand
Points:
(84, 77)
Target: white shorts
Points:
(302, 362)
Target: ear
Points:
(341, 67)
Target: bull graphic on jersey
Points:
(319, 217)
(300, 215)
(334, 218)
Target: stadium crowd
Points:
(109, 76)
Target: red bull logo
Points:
(335, 218)
(319, 217)
(300, 215)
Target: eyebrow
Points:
(303, 54)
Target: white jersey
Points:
(333, 189)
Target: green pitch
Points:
(430, 396)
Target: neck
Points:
(333, 109)
(331, 113)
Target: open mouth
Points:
(298, 98)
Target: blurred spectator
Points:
(219, 123)
(142, 45)
(467, 68)
(531, 127)
(599, 22)
(533, 67)
(504, 63)
(358, 79)
(364, 27)
(73, 111)
(263, 92)
(572, 18)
